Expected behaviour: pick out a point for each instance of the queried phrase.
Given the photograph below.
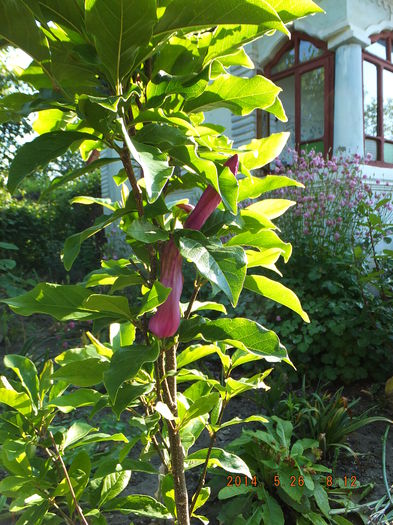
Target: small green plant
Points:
(292, 486)
(326, 417)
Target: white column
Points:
(348, 99)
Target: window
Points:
(378, 98)
(303, 68)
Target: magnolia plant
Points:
(136, 76)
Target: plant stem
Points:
(177, 454)
(202, 477)
(197, 287)
(77, 507)
(126, 160)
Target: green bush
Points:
(39, 229)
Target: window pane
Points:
(388, 153)
(317, 146)
(287, 97)
(388, 104)
(370, 98)
(370, 146)
(378, 48)
(307, 51)
(285, 62)
(312, 104)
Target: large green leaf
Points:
(27, 373)
(18, 27)
(271, 208)
(226, 268)
(276, 292)
(88, 372)
(154, 163)
(290, 10)
(139, 505)
(17, 400)
(254, 187)
(262, 151)
(239, 95)
(68, 13)
(156, 296)
(238, 332)
(119, 29)
(206, 13)
(37, 153)
(144, 231)
(265, 239)
(218, 458)
(202, 406)
(113, 484)
(125, 364)
(82, 397)
(65, 302)
(77, 431)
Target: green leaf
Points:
(265, 239)
(77, 431)
(262, 151)
(195, 352)
(88, 372)
(99, 437)
(254, 187)
(113, 484)
(202, 498)
(119, 28)
(271, 208)
(41, 150)
(18, 27)
(239, 95)
(154, 163)
(27, 373)
(238, 421)
(206, 305)
(276, 292)
(265, 258)
(140, 506)
(290, 10)
(204, 13)
(125, 364)
(73, 243)
(226, 268)
(156, 296)
(35, 514)
(203, 405)
(189, 86)
(229, 189)
(68, 13)
(17, 400)
(218, 458)
(239, 332)
(82, 397)
(57, 182)
(65, 302)
(144, 231)
(272, 512)
(127, 393)
(88, 200)
(164, 411)
(321, 499)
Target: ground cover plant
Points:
(136, 77)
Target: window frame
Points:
(327, 62)
(380, 64)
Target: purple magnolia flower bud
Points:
(166, 320)
(209, 201)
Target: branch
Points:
(202, 477)
(197, 286)
(77, 507)
(126, 160)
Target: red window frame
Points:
(327, 62)
(381, 64)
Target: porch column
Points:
(348, 99)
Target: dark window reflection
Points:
(307, 51)
(312, 104)
(370, 98)
(388, 104)
(285, 62)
